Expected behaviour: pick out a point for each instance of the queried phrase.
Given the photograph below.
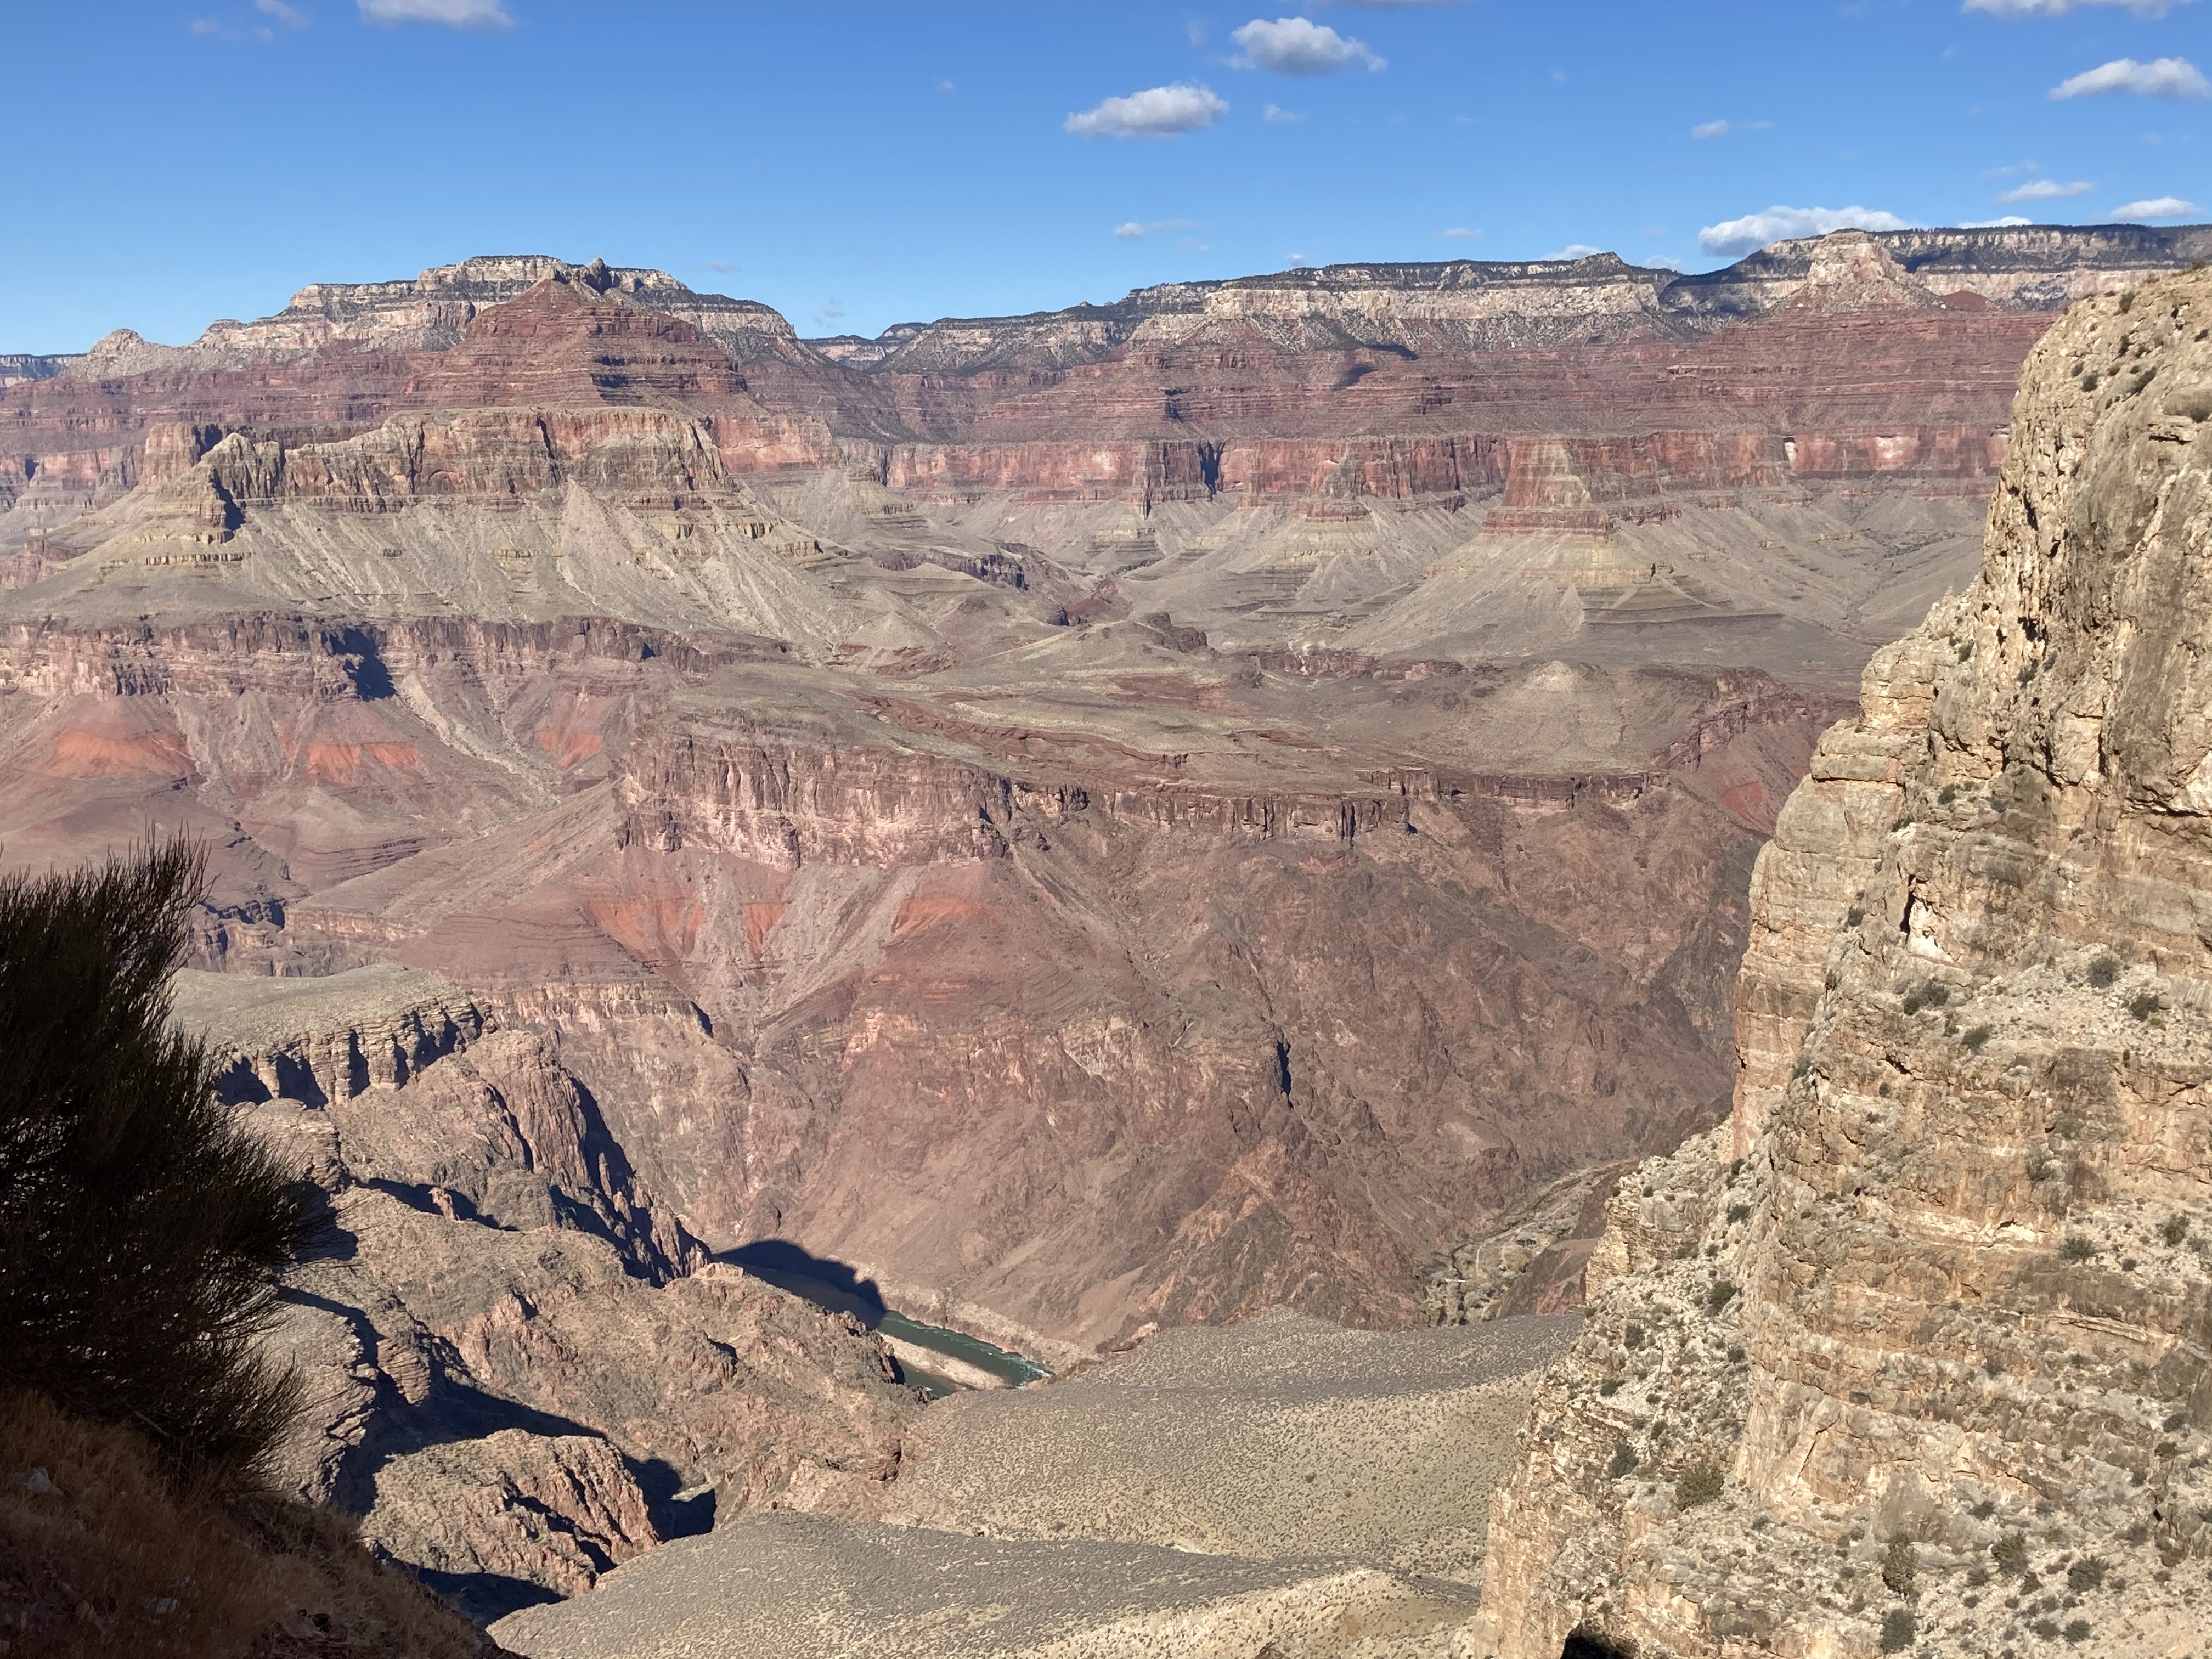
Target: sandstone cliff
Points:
(1909, 1357)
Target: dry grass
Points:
(115, 1561)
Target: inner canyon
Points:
(1053, 949)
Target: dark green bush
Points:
(2046, 1628)
(2077, 1249)
(1738, 1212)
(2103, 971)
(1609, 1388)
(1900, 1572)
(2076, 1630)
(1899, 1627)
(1624, 1461)
(1701, 1485)
(140, 1226)
(2143, 1004)
(1935, 995)
(1976, 1036)
(2010, 1553)
(2175, 1230)
(1984, 1509)
(1632, 1338)
(1719, 1296)
(2087, 1574)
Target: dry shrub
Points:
(116, 1559)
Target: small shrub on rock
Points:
(2076, 1630)
(1719, 1296)
(2143, 1004)
(1624, 1461)
(2102, 972)
(2077, 1249)
(2010, 1553)
(1738, 1212)
(1899, 1627)
(1632, 1338)
(1900, 1572)
(2175, 1230)
(1701, 1485)
(1610, 1387)
(2087, 1574)
(1977, 1038)
(1984, 1509)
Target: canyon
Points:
(1086, 823)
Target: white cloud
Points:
(1571, 251)
(2005, 223)
(1458, 233)
(1777, 224)
(291, 16)
(1664, 262)
(721, 265)
(1297, 46)
(458, 14)
(1281, 117)
(2162, 77)
(2060, 8)
(2044, 190)
(1155, 112)
(2158, 207)
(1135, 232)
(1711, 130)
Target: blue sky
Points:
(857, 164)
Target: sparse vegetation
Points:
(1609, 1388)
(2175, 1230)
(1947, 795)
(2076, 1630)
(1900, 1570)
(2087, 1574)
(2040, 1169)
(1624, 1461)
(1976, 1037)
(1738, 1213)
(1736, 1356)
(2089, 381)
(1935, 995)
(1854, 915)
(1911, 1002)
(140, 1226)
(2102, 972)
(2076, 1249)
(1700, 1485)
(1984, 1509)
(1633, 1337)
(2010, 1553)
(2143, 1004)
(1719, 1296)
(1899, 1628)
(2175, 1422)
(1831, 979)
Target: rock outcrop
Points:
(517, 1372)
(1909, 1356)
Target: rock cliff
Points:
(1909, 1356)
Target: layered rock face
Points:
(1908, 1357)
(1083, 837)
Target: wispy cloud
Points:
(2060, 8)
(1299, 45)
(1156, 113)
(2162, 77)
(1777, 224)
(2044, 190)
(1281, 117)
(2005, 223)
(1712, 129)
(2158, 207)
(455, 14)
(1135, 232)
(291, 16)
(1457, 233)
(1572, 250)
(720, 267)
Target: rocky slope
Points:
(1282, 1485)
(1908, 1356)
(517, 1374)
(1081, 839)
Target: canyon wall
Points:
(1086, 821)
(1909, 1355)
